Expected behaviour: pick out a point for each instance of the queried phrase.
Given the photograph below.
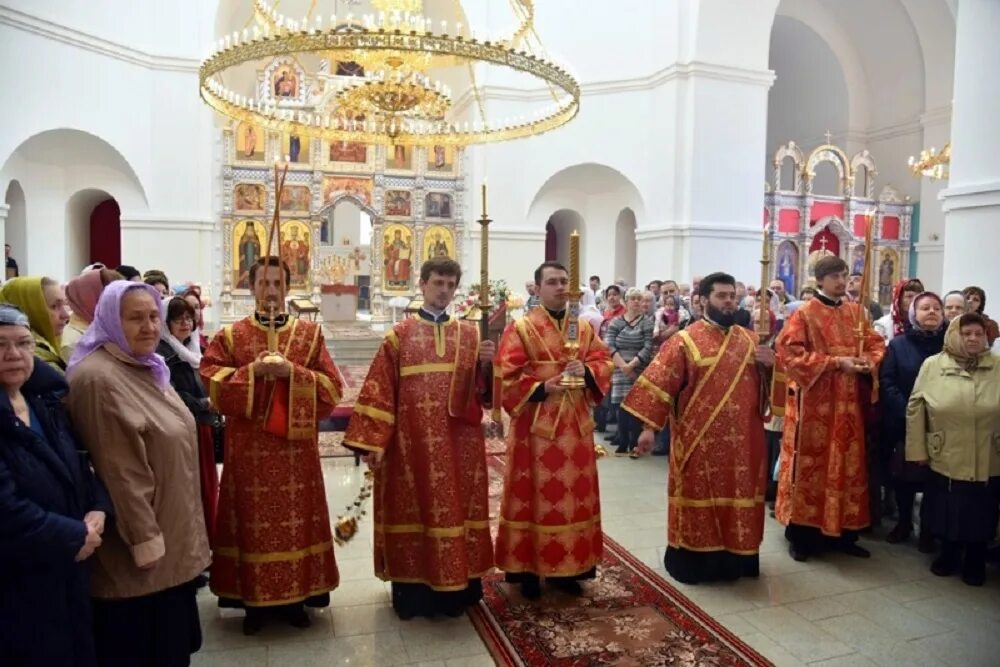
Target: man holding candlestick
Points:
(550, 520)
(823, 496)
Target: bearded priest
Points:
(708, 379)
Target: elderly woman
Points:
(144, 446)
(952, 425)
(903, 359)
(180, 350)
(82, 294)
(630, 342)
(975, 302)
(44, 302)
(53, 512)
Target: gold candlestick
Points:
(571, 349)
(763, 328)
(866, 283)
(484, 271)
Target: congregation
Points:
(118, 407)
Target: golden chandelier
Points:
(394, 100)
(931, 163)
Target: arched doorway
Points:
(625, 246)
(558, 229)
(345, 253)
(15, 228)
(82, 217)
(106, 234)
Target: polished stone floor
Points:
(889, 610)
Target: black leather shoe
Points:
(926, 543)
(852, 549)
(299, 619)
(796, 554)
(252, 625)
(571, 586)
(900, 533)
(531, 589)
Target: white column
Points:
(972, 199)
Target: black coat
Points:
(46, 488)
(897, 375)
(187, 383)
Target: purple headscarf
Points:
(107, 328)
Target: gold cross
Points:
(828, 137)
(257, 526)
(427, 404)
(293, 522)
(822, 243)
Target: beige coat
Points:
(145, 449)
(953, 418)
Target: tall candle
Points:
(484, 199)
(574, 260)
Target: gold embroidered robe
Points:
(823, 478)
(420, 406)
(550, 513)
(273, 543)
(706, 381)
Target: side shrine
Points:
(805, 225)
(357, 220)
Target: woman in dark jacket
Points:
(906, 353)
(53, 513)
(180, 348)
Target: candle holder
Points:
(571, 349)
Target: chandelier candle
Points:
(571, 350)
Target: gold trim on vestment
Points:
(434, 587)
(643, 418)
(360, 445)
(312, 347)
(274, 603)
(738, 552)
(724, 401)
(330, 387)
(653, 389)
(431, 531)
(393, 339)
(215, 384)
(227, 337)
(290, 339)
(417, 369)
(273, 556)
(300, 390)
(250, 383)
(739, 503)
(374, 413)
(539, 528)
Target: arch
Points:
(558, 228)
(789, 151)
(828, 153)
(106, 233)
(598, 194)
(84, 160)
(79, 208)
(863, 160)
(16, 226)
(625, 246)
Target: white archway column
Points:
(713, 219)
(972, 199)
(4, 212)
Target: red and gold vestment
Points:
(550, 514)
(823, 479)
(273, 543)
(420, 406)
(706, 381)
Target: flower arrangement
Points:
(499, 294)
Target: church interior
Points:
(634, 141)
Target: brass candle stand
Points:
(571, 349)
(762, 327)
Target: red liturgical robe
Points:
(420, 406)
(273, 543)
(823, 481)
(550, 514)
(707, 381)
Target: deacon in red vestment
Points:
(273, 547)
(708, 379)
(550, 514)
(823, 481)
(420, 416)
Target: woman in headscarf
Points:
(44, 302)
(82, 294)
(954, 305)
(897, 320)
(193, 296)
(924, 338)
(142, 440)
(53, 510)
(180, 350)
(952, 425)
(975, 302)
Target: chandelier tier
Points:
(931, 163)
(396, 101)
